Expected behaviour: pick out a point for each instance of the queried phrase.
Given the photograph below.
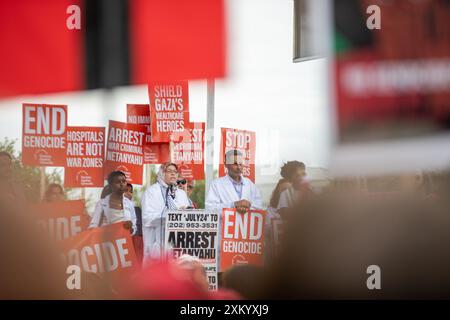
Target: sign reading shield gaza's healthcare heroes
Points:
(44, 135)
(124, 150)
(169, 109)
(62, 220)
(188, 151)
(154, 152)
(99, 250)
(85, 154)
(194, 232)
(242, 238)
(243, 141)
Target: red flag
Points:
(39, 53)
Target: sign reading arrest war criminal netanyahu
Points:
(154, 152)
(188, 151)
(124, 151)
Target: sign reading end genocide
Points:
(44, 135)
(99, 250)
(242, 238)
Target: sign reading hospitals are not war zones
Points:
(124, 151)
(154, 152)
(169, 109)
(188, 151)
(243, 141)
(242, 238)
(44, 135)
(85, 156)
(194, 232)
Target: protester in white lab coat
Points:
(114, 207)
(162, 195)
(233, 190)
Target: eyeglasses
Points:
(171, 171)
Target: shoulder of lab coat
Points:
(153, 204)
(215, 200)
(222, 194)
(255, 195)
(181, 199)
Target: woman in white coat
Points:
(159, 197)
(115, 207)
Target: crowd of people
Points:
(330, 237)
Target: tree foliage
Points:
(28, 177)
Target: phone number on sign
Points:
(205, 225)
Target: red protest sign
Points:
(124, 150)
(62, 219)
(154, 152)
(169, 109)
(174, 39)
(44, 134)
(99, 250)
(242, 238)
(84, 157)
(188, 151)
(243, 141)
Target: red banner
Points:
(169, 109)
(124, 151)
(175, 39)
(84, 157)
(99, 250)
(61, 220)
(242, 238)
(243, 141)
(391, 83)
(44, 135)
(188, 151)
(154, 152)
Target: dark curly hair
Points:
(289, 168)
(113, 175)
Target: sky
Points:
(264, 91)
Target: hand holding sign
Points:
(242, 206)
(128, 225)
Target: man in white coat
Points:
(159, 197)
(233, 190)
